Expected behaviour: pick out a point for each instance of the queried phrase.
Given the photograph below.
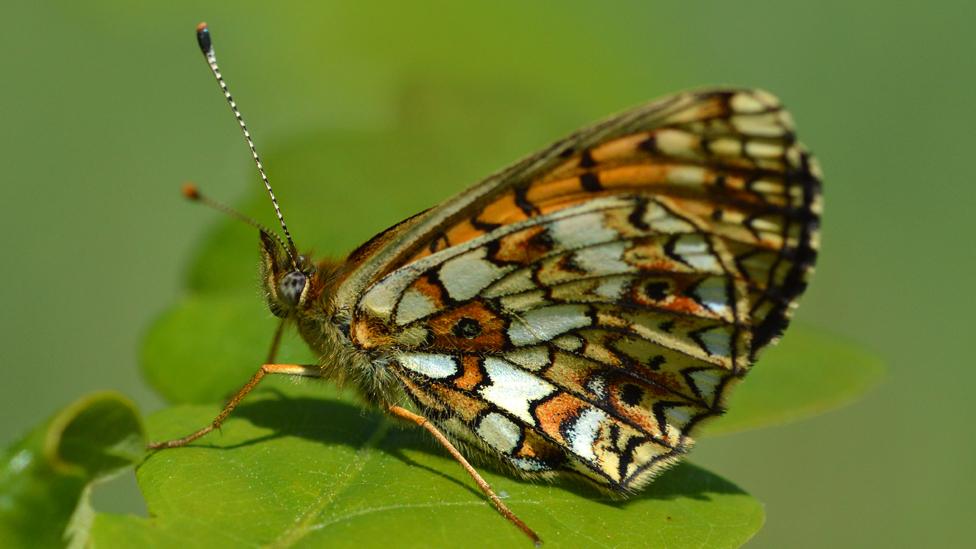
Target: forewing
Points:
(589, 307)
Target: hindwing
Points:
(586, 309)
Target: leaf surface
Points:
(302, 465)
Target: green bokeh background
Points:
(106, 107)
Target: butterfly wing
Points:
(586, 309)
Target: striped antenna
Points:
(206, 46)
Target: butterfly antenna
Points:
(206, 46)
(191, 192)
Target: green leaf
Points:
(302, 464)
(44, 477)
(808, 373)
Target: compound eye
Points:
(291, 287)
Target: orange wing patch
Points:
(470, 327)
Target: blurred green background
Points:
(107, 106)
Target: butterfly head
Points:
(286, 281)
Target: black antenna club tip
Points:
(203, 37)
(190, 191)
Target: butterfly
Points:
(580, 313)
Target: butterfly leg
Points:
(286, 369)
(275, 342)
(407, 415)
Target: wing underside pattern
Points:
(587, 318)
